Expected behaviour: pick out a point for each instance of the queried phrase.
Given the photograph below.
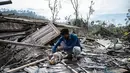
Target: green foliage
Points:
(128, 17)
(77, 22)
(104, 32)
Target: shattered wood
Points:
(23, 49)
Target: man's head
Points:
(65, 33)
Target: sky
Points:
(112, 10)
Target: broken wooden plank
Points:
(84, 39)
(87, 38)
(69, 67)
(21, 67)
(12, 35)
(83, 68)
(13, 27)
(40, 37)
(22, 44)
(22, 20)
(104, 43)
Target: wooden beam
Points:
(83, 68)
(69, 67)
(84, 39)
(12, 35)
(21, 67)
(22, 44)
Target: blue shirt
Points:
(69, 43)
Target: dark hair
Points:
(64, 31)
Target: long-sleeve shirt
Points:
(69, 43)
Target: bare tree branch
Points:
(55, 7)
(75, 4)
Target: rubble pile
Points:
(104, 32)
(14, 30)
(93, 61)
(25, 51)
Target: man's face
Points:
(66, 36)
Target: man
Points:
(69, 43)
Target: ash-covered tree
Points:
(127, 35)
(91, 11)
(128, 21)
(55, 6)
(86, 22)
(79, 22)
(67, 18)
(128, 17)
(75, 4)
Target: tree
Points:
(104, 24)
(91, 10)
(75, 4)
(86, 21)
(67, 18)
(78, 21)
(92, 23)
(55, 6)
(128, 17)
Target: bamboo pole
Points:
(23, 44)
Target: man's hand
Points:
(60, 48)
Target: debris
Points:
(43, 35)
(11, 35)
(56, 58)
(40, 37)
(21, 67)
(84, 39)
(31, 69)
(69, 67)
(104, 43)
(26, 53)
(22, 44)
(82, 68)
(35, 69)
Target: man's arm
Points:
(57, 44)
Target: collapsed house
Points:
(24, 49)
(20, 36)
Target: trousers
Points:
(75, 51)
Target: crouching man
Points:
(69, 43)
